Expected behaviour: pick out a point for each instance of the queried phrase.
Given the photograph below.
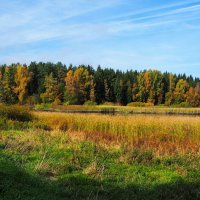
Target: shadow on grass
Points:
(15, 183)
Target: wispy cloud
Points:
(115, 30)
(42, 21)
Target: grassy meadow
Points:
(52, 155)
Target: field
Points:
(45, 155)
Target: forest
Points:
(76, 85)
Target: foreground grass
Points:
(54, 165)
(65, 156)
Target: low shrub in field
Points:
(17, 113)
(140, 104)
(57, 102)
(90, 103)
(108, 104)
(43, 106)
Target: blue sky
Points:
(122, 34)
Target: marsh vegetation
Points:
(78, 156)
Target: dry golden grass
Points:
(169, 135)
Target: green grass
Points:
(51, 165)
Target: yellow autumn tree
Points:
(193, 96)
(21, 79)
(70, 95)
(69, 80)
(82, 84)
(79, 86)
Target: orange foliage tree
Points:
(21, 79)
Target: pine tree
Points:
(129, 92)
(107, 91)
(118, 90)
(8, 95)
(92, 90)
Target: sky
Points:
(121, 34)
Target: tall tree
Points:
(92, 91)
(118, 90)
(107, 90)
(51, 89)
(21, 79)
(70, 95)
(99, 85)
(180, 91)
(169, 97)
(193, 96)
(8, 95)
(82, 83)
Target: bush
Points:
(90, 103)
(108, 104)
(140, 104)
(57, 101)
(43, 106)
(17, 113)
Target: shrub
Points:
(43, 106)
(17, 113)
(57, 101)
(108, 104)
(90, 103)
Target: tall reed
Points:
(166, 133)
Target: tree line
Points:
(58, 83)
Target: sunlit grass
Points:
(162, 134)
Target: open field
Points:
(47, 155)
